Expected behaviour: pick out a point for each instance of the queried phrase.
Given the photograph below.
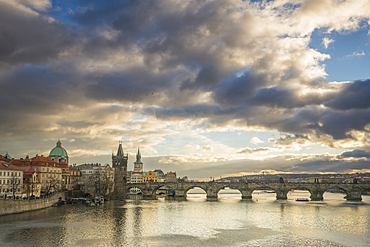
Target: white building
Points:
(11, 180)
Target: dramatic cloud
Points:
(356, 154)
(150, 72)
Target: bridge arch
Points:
(168, 186)
(203, 187)
(223, 191)
(132, 186)
(335, 186)
(307, 192)
(263, 188)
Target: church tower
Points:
(119, 162)
(138, 165)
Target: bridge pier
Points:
(211, 195)
(180, 193)
(246, 194)
(148, 197)
(354, 195)
(281, 194)
(317, 195)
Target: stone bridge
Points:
(316, 190)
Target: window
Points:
(47, 169)
(1, 173)
(0, 181)
(42, 182)
(12, 174)
(58, 175)
(43, 175)
(8, 174)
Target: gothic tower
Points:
(119, 163)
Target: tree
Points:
(51, 184)
(107, 181)
(31, 185)
(96, 180)
(15, 182)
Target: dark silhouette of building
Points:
(119, 163)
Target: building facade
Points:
(96, 179)
(160, 175)
(170, 177)
(150, 177)
(11, 180)
(31, 184)
(136, 177)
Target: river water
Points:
(229, 221)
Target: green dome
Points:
(58, 151)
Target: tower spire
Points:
(120, 150)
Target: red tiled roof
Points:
(38, 161)
(4, 166)
(3, 158)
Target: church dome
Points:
(58, 151)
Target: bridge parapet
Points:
(316, 190)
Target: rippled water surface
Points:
(262, 221)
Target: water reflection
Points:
(227, 222)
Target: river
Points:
(262, 221)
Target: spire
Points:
(120, 150)
(7, 155)
(138, 156)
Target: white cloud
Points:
(357, 54)
(191, 147)
(207, 148)
(256, 140)
(326, 41)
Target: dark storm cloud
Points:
(354, 96)
(294, 139)
(28, 37)
(165, 56)
(286, 98)
(355, 154)
(38, 89)
(283, 164)
(237, 90)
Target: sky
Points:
(204, 88)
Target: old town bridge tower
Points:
(119, 163)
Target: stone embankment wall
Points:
(10, 206)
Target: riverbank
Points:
(11, 206)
